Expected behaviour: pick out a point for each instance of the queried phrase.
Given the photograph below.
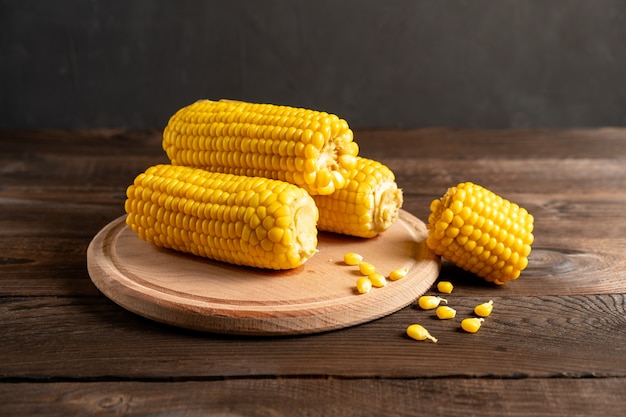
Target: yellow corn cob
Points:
(240, 220)
(308, 148)
(366, 206)
(481, 232)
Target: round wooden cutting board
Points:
(201, 294)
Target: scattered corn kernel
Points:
(418, 332)
(378, 280)
(445, 312)
(484, 309)
(428, 302)
(363, 285)
(445, 287)
(397, 274)
(471, 325)
(367, 268)
(352, 258)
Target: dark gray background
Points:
(386, 63)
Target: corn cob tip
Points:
(388, 202)
(305, 227)
(481, 232)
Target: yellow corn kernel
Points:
(445, 312)
(363, 285)
(224, 217)
(312, 149)
(397, 274)
(484, 309)
(378, 280)
(472, 324)
(366, 268)
(418, 332)
(428, 302)
(367, 205)
(352, 258)
(445, 287)
(481, 232)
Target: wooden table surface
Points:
(554, 345)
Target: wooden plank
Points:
(545, 336)
(57, 189)
(80, 142)
(555, 344)
(472, 144)
(563, 397)
(549, 179)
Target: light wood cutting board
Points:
(201, 294)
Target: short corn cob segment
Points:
(308, 148)
(366, 206)
(249, 221)
(481, 232)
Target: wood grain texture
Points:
(201, 294)
(525, 337)
(555, 344)
(321, 397)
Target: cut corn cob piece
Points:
(366, 206)
(309, 148)
(249, 221)
(481, 232)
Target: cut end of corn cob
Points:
(481, 232)
(249, 221)
(368, 204)
(308, 148)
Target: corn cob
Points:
(481, 232)
(308, 148)
(249, 221)
(366, 206)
